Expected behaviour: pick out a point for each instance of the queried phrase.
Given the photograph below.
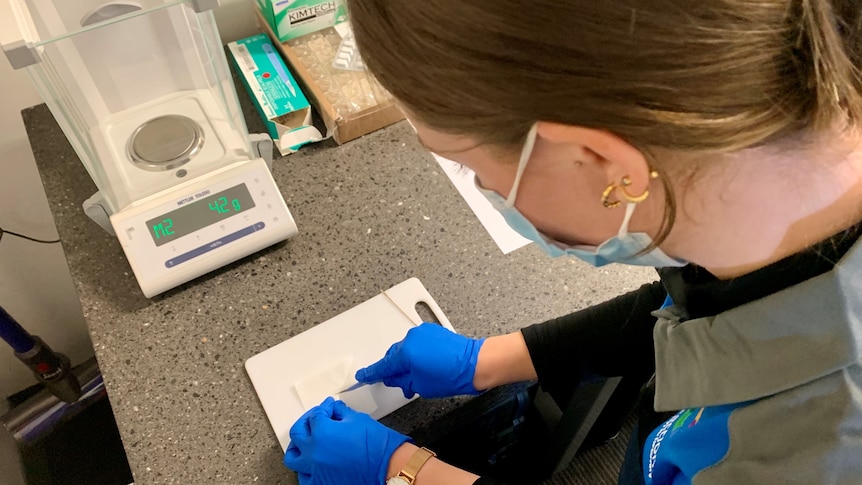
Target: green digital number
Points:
(164, 229)
(236, 205)
(219, 205)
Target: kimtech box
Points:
(290, 19)
(276, 95)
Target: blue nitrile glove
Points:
(332, 444)
(431, 361)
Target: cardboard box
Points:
(290, 19)
(276, 94)
(341, 128)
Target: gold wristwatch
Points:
(407, 475)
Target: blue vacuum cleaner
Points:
(51, 369)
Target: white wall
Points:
(35, 285)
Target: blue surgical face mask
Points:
(624, 248)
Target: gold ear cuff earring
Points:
(624, 183)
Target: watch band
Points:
(415, 463)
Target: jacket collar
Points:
(769, 345)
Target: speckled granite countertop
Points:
(371, 214)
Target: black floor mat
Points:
(84, 451)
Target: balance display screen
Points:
(200, 214)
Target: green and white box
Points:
(275, 93)
(290, 19)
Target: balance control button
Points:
(194, 253)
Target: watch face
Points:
(397, 481)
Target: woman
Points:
(717, 140)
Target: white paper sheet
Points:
(361, 399)
(332, 379)
(507, 239)
(326, 382)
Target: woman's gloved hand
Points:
(332, 444)
(431, 361)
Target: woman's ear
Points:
(615, 156)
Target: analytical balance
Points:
(143, 92)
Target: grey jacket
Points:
(780, 381)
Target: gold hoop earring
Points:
(606, 197)
(625, 182)
(636, 199)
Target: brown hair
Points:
(716, 75)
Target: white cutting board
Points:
(299, 373)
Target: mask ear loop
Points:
(630, 211)
(633, 201)
(526, 152)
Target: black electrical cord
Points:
(3, 232)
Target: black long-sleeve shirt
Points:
(592, 340)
